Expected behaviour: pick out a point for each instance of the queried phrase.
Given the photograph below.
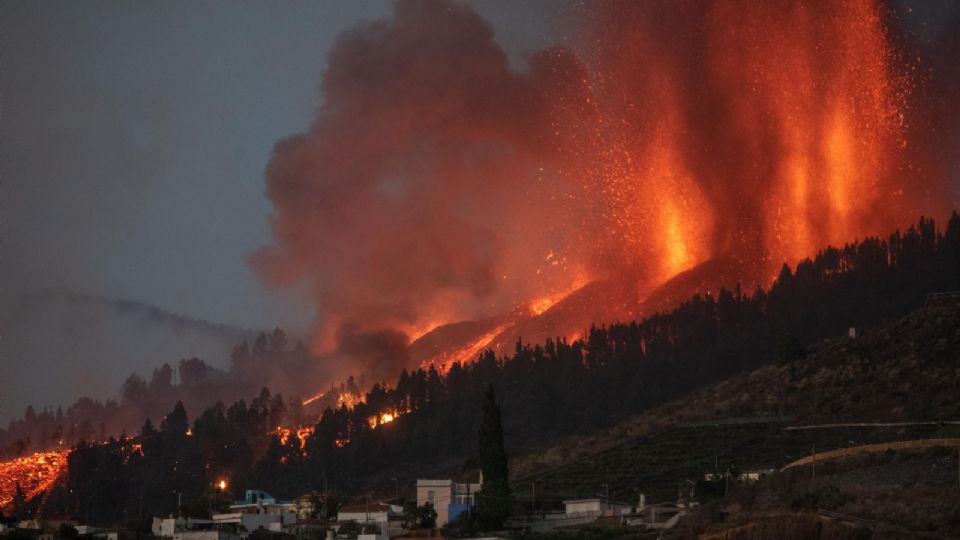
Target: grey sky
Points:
(134, 137)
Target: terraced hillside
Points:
(660, 464)
(902, 373)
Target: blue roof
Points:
(254, 496)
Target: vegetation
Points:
(419, 517)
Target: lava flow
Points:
(466, 353)
(34, 474)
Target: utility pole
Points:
(366, 520)
(533, 497)
(325, 510)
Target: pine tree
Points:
(493, 501)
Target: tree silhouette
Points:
(494, 497)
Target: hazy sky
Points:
(134, 138)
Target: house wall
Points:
(583, 507)
(437, 492)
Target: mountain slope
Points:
(902, 372)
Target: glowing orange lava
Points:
(467, 353)
(342, 399)
(35, 474)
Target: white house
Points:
(595, 507)
(257, 510)
(248, 521)
(447, 497)
(385, 516)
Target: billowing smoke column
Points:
(418, 196)
(438, 185)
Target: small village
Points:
(440, 503)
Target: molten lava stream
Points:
(464, 354)
(35, 474)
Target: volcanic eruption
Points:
(441, 198)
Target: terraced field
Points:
(660, 463)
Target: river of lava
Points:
(35, 474)
(465, 354)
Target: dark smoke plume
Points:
(422, 174)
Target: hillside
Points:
(902, 372)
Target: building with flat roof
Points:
(596, 507)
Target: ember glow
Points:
(302, 433)
(334, 400)
(35, 474)
(382, 418)
(437, 185)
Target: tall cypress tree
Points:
(493, 501)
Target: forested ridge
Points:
(547, 390)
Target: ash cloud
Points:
(405, 199)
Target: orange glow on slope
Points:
(467, 353)
(541, 305)
(35, 474)
(342, 399)
(313, 398)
